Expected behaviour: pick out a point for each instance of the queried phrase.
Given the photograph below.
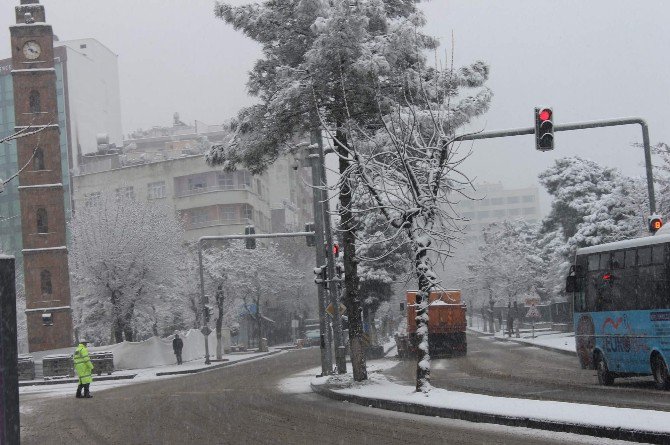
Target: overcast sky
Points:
(590, 60)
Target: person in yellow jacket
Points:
(84, 369)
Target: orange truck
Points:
(446, 325)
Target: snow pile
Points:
(157, 351)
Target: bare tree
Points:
(125, 260)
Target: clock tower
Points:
(45, 263)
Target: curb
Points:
(480, 417)
(220, 365)
(62, 381)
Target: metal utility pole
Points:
(319, 242)
(340, 349)
(583, 126)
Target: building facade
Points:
(41, 190)
(494, 203)
(88, 103)
(166, 164)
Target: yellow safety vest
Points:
(83, 365)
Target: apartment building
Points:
(494, 203)
(167, 164)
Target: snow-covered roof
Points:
(627, 244)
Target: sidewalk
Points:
(124, 377)
(563, 342)
(636, 425)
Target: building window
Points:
(228, 213)
(126, 192)
(156, 190)
(226, 181)
(42, 221)
(528, 198)
(38, 160)
(35, 105)
(496, 201)
(197, 183)
(514, 212)
(249, 212)
(512, 199)
(199, 216)
(245, 179)
(45, 282)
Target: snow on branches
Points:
(125, 261)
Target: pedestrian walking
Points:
(84, 369)
(177, 346)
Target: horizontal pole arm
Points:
(260, 235)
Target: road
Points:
(515, 370)
(242, 404)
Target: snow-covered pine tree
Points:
(336, 58)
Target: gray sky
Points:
(589, 60)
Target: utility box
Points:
(103, 362)
(26, 367)
(60, 365)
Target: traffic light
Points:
(544, 129)
(207, 311)
(310, 239)
(336, 250)
(321, 276)
(250, 242)
(655, 223)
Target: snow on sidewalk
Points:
(142, 375)
(563, 341)
(379, 387)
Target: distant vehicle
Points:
(621, 297)
(313, 337)
(446, 325)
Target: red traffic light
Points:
(655, 224)
(545, 114)
(336, 249)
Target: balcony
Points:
(220, 222)
(210, 189)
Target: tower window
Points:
(42, 221)
(45, 282)
(38, 160)
(35, 103)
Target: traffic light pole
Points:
(584, 126)
(320, 181)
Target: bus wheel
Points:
(660, 370)
(605, 377)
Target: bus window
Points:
(604, 261)
(630, 258)
(658, 254)
(618, 259)
(627, 299)
(593, 262)
(644, 256)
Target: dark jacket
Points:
(177, 344)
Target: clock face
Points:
(31, 50)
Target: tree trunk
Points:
(422, 300)
(350, 297)
(117, 328)
(219, 326)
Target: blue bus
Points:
(621, 298)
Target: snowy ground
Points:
(564, 341)
(379, 387)
(141, 376)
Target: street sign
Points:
(206, 331)
(295, 323)
(331, 312)
(533, 312)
